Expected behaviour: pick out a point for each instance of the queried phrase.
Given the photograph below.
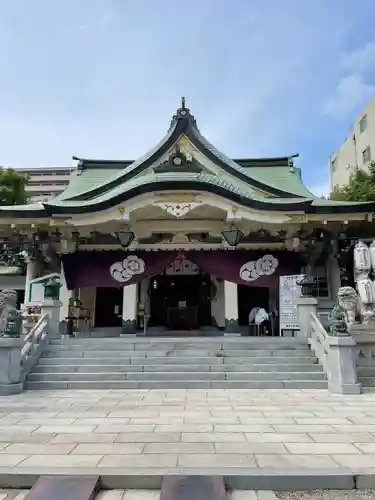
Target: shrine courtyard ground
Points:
(151, 432)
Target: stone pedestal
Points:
(231, 307)
(342, 376)
(305, 306)
(10, 366)
(51, 307)
(363, 331)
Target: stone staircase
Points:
(366, 375)
(164, 363)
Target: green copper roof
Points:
(85, 180)
(265, 184)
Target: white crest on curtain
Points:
(265, 266)
(125, 270)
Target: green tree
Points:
(12, 187)
(361, 186)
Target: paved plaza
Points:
(186, 431)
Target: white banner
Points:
(289, 293)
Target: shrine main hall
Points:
(185, 239)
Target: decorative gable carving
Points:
(177, 209)
(183, 266)
(179, 162)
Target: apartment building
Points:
(46, 182)
(357, 150)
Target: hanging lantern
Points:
(362, 258)
(366, 291)
(372, 255)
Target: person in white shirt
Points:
(259, 316)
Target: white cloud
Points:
(351, 92)
(361, 60)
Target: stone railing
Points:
(20, 352)
(335, 352)
(337, 355)
(33, 344)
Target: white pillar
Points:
(334, 278)
(217, 304)
(129, 309)
(231, 307)
(65, 295)
(31, 273)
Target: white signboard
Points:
(289, 294)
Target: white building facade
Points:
(46, 182)
(357, 150)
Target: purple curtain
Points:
(247, 267)
(119, 268)
(116, 268)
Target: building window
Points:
(366, 155)
(333, 164)
(363, 124)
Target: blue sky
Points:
(102, 78)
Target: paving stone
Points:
(355, 461)
(343, 438)
(244, 428)
(69, 429)
(222, 460)
(38, 449)
(301, 429)
(278, 438)
(251, 448)
(134, 461)
(11, 460)
(141, 495)
(322, 449)
(60, 461)
(108, 449)
(156, 421)
(179, 448)
(323, 421)
(84, 438)
(297, 461)
(150, 437)
(17, 437)
(185, 428)
(110, 495)
(212, 437)
(46, 421)
(21, 495)
(366, 447)
(102, 429)
(243, 495)
(327, 495)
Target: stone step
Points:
(57, 361)
(367, 381)
(181, 340)
(120, 367)
(282, 353)
(186, 384)
(366, 371)
(179, 347)
(176, 376)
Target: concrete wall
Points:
(349, 155)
